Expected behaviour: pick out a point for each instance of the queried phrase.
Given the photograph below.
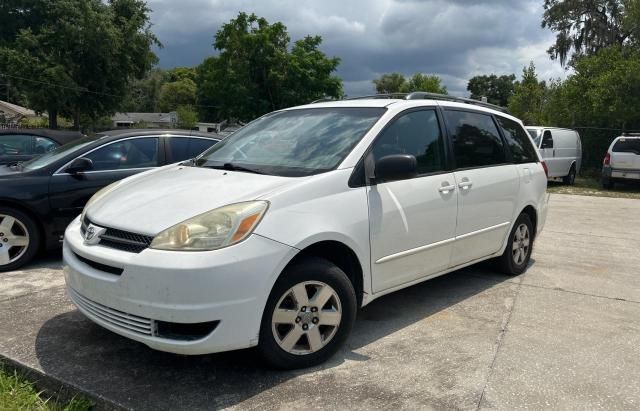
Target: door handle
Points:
(465, 185)
(446, 189)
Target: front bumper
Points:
(229, 286)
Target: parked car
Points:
(275, 236)
(17, 144)
(561, 150)
(38, 198)
(622, 161)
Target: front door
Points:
(68, 193)
(487, 185)
(412, 221)
(548, 153)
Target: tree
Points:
(255, 72)
(585, 26)
(187, 117)
(496, 89)
(528, 100)
(78, 57)
(143, 95)
(389, 83)
(424, 82)
(177, 93)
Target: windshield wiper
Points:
(236, 167)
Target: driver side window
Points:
(126, 154)
(416, 133)
(547, 140)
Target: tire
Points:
(510, 262)
(19, 239)
(570, 178)
(288, 344)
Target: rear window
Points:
(627, 145)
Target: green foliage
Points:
(396, 83)
(255, 72)
(585, 26)
(143, 96)
(389, 83)
(187, 117)
(177, 93)
(78, 57)
(17, 394)
(496, 89)
(528, 100)
(39, 122)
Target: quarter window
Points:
(518, 141)
(183, 148)
(126, 154)
(418, 134)
(476, 140)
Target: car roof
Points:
(157, 131)
(59, 136)
(401, 104)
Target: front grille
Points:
(120, 239)
(99, 266)
(116, 318)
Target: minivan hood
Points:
(151, 202)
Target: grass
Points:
(16, 393)
(589, 186)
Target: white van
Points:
(561, 149)
(622, 161)
(278, 234)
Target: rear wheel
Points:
(516, 256)
(19, 239)
(570, 178)
(308, 316)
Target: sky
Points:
(454, 39)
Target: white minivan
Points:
(561, 150)
(622, 161)
(278, 234)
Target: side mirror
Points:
(396, 167)
(79, 165)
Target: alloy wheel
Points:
(521, 242)
(14, 239)
(306, 317)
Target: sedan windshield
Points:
(293, 143)
(56, 154)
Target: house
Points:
(145, 120)
(12, 113)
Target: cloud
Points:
(455, 39)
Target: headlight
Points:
(214, 229)
(101, 193)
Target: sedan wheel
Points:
(306, 318)
(521, 242)
(14, 239)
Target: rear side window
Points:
(518, 140)
(416, 133)
(476, 140)
(183, 148)
(627, 145)
(126, 154)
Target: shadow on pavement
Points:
(73, 349)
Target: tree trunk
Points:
(53, 118)
(76, 120)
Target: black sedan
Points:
(18, 144)
(40, 197)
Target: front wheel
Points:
(570, 178)
(309, 315)
(516, 256)
(19, 239)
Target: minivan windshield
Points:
(293, 143)
(56, 154)
(535, 135)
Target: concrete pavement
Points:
(564, 335)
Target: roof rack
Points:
(421, 95)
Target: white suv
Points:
(276, 235)
(622, 161)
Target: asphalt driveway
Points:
(564, 335)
